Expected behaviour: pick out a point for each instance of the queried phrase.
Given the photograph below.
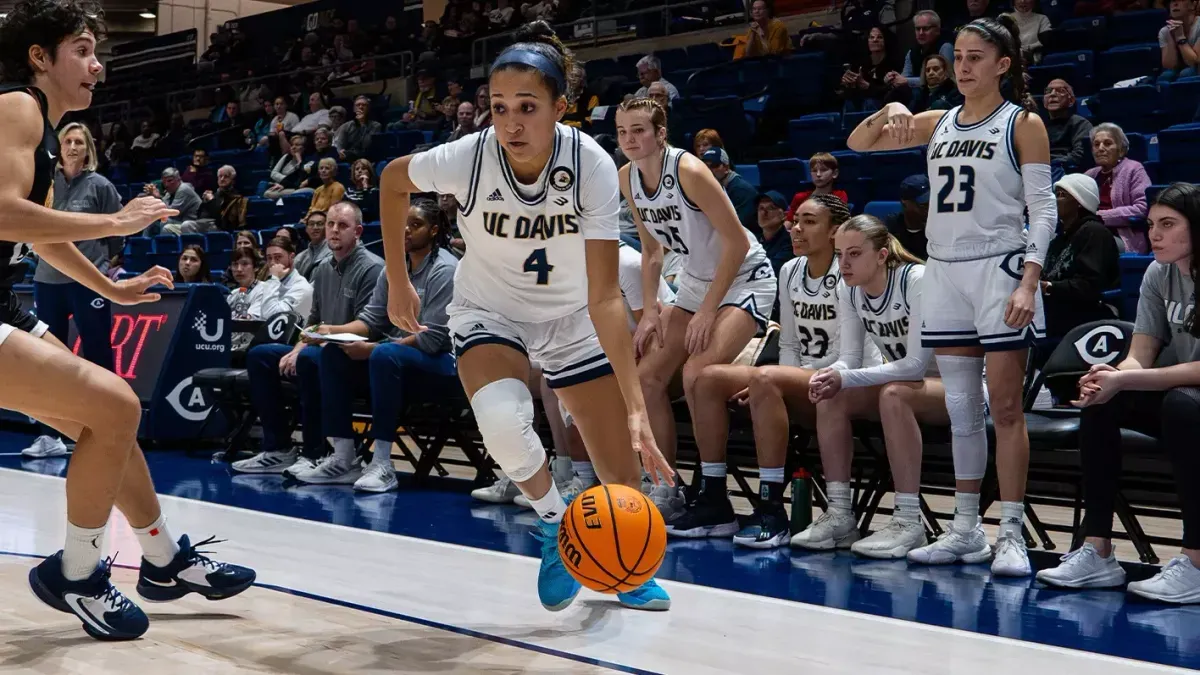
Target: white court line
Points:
(757, 630)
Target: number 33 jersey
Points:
(808, 315)
(525, 243)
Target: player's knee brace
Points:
(504, 411)
(962, 376)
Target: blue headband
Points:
(532, 59)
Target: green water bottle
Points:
(801, 500)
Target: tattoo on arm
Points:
(872, 118)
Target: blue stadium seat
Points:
(749, 172)
(1127, 62)
(1179, 144)
(849, 166)
(784, 175)
(1180, 100)
(294, 208)
(139, 246)
(889, 169)
(673, 59)
(1076, 67)
(167, 243)
(1134, 109)
(1152, 192)
(260, 208)
(372, 232)
(1133, 268)
(707, 54)
(813, 133)
(219, 241)
(801, 80)
(193, 239)
(882, 210)
(1057, 10)
(1133, 27)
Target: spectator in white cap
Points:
(743, 195)
(1081, 262)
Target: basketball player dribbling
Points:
(539, 283)
(49, 67)
(989, 160)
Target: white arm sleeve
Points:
(1043, 211)
(446, 169)
(915, 363)
(789, 339)
(599, 193)
(850, 331)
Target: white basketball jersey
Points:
(677, 223)
(976, 198)
(809, 307)
(630, 276)
(525, 243)
(887, 319)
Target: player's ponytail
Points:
(875, 232)
(536, 48)
(1004, 34)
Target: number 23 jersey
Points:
(808, 315)
(525, 243)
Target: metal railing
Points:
(594, 31)
(191, 97)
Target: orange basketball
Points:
(612, 539)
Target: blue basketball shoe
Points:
(106, 614)
(649, 596)
(193, 572)
(556, 587)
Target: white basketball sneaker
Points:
(1084, 568)
(266, 462)
(1011, 556)
(332, 471)
(503, 491)
(893, 542)
(834, 529)
(301, 465)
(378, 477)
(953, 546)
(1177, 583)
(44, 447)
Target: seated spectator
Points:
(1081, 261)
(767, 36)
(483, 107)
(938, 90)
(423, 111)
(928, 27)
(318, 115)
(1032, 25)
(288, 174)
(705, 139)
(823, 168)
(391, 365)
(1180, 42)
(743, 195)
(143, 142)
(863, 85)
(1153, 391)
(649, 70)
(192, 266)
(1070, 134)
(283, 122)
(449, 206)
(118, 141)
(579, 108)
(199, 174)
(1123, 184)
(234, 130)
(330, 191)
(449, 108)
(353, 139)
(337, 118)
(224, 209)
(364, 185)
(176, 194)
(908, 225)
(465, 121)
(500, 18)
(342, 288)
(283, 289)
(317, 251)
(975, 9)
(772, 209)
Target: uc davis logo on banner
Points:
(189, 401)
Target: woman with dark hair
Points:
(983, 300)
(863, 86)
(363, 188)
(525, 296)
(938, 90)
(1155, 390)
(192, 267)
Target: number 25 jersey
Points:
(525, 243)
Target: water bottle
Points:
(801, 500)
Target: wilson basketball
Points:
(612, 539)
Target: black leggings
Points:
(1173, 416)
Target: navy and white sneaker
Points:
(193, 572)
(106, 614)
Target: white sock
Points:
(769, 474)
(839, 496)
(82, 552)
(157, 545)
(585, 471)
(343, 450)
(908, 507)
(1012, 515)
(551, 506)
(966, 511)
(713, 469)
(383, 452)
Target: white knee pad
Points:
(962, 377)
(504, 411)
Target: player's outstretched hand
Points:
(653, 461)
(404, 306)
(140, 213)
(1019, 311)
(133, 291)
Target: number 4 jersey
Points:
(977, 200)
(525, 243)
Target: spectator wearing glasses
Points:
(1180, 42)
(649, 70)
(283, 289)
(224, 209)
(1070, 134)
(353, 139)
(1123, 184)
(772, 211)
(928, 27)
(317, 250)
(767, 36)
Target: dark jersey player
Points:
(48, 67)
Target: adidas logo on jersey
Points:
(496, 196)
(477, 327)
